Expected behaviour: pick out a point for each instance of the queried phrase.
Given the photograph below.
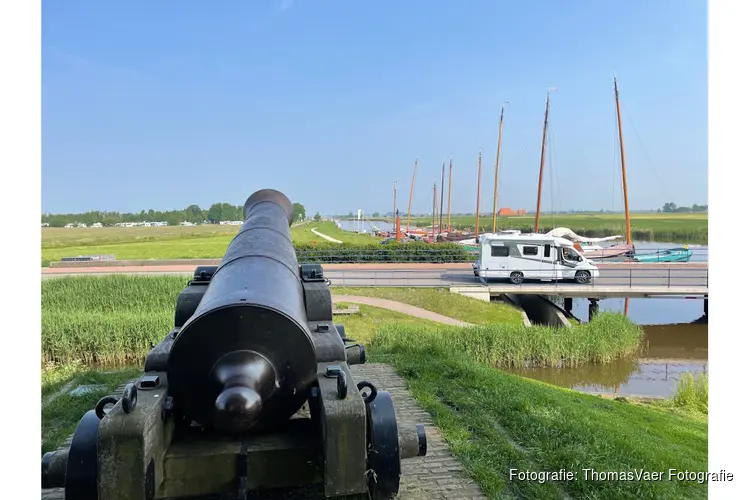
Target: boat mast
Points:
(450, 182)
(622, 162)
(434, 204)
(394, 206)
(411, 192)
(541, 167)
(497, 169)
(442, 185)
(479, 186)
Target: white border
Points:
(20, 246)
(728, 327)
(20, 165)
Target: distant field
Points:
(687, 228)
(210, 241)
(167, 242)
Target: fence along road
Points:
(615, 280)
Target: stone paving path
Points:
(436, 476)
(400, 307)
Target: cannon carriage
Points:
(250, 395)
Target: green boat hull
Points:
(671, 255)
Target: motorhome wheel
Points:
(516, 277)
(583, 277)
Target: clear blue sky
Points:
(164, 104)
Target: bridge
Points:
(616, 280)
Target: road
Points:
(691, 278)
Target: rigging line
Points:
(552, 175)
(665, 192)
(615, 153)
(557, 176)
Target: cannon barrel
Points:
(218, 411)
(245, 358)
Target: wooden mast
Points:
(541, 167)
(394, 205)
(434, 204)
(450, 183)
(622, 161)
(479, 186)
(497, 170)
(411, 192)
(442, 186)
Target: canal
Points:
(675, 341)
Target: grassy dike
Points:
(493, 421)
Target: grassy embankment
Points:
(495, 421)
(673, 228)
(168, 242)
(491, 419)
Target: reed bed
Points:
(607, 338)
(117, 319)
(106, 320)
(692, 392)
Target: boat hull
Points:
(672, 255)
(613, 252)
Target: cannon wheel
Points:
(83, 460)
(383, 452)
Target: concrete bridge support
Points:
(475, 292)
(593, 308)
(568, 304)
(540, 310)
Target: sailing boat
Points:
(588, 246)
(670, 255)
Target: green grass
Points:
(494, 421)
(692, 393)
(61, 411)
(116, 319)
(441, 301)
(606, 338)
(673, 228)
(363, 325)
(168, 242)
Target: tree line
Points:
(671, 207)
(216, 213)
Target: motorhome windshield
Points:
(571, 254)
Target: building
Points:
(510, 212)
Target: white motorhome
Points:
(517, 257)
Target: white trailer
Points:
(532, 256)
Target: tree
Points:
(299, 211)
(351, 215)
(669, 207)
(376, 214)
(194, 214)
(214, 213)
(317, 216)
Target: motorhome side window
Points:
(547, 250)
(530, 250)
(498, 251)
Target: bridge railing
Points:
(629, 277)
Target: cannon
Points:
(250, 395)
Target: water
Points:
(668, 352)
(367, 226)
(676, 338)
(676, 342)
